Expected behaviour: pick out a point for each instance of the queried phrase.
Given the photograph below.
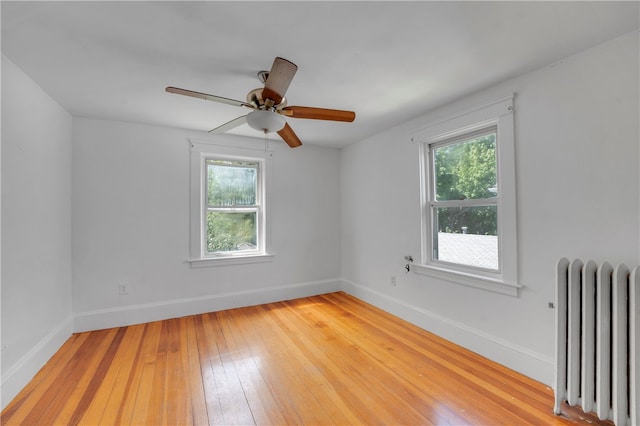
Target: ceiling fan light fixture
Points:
(266, 121)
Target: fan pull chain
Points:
(265, 142)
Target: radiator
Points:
(597, 340)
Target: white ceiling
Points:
(388, 61)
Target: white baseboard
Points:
(523, 360)
(147, 312)
(19, 374)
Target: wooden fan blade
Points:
(207, 97)
(318, 113)
(280, 76)
(289, 136)
(229, 125)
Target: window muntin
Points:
(463, 200)
(232, 207)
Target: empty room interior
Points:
(319, 212)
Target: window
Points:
(463, 200)
(468, 198)
(228, 205)
(232, 208)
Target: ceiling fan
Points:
(270, 106)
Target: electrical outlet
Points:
(123, 289)
(393, 280)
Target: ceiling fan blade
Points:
(229, 125)
(318, 113)
(280, 76)
(207, 97)
(289, 136)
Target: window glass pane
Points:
(228, 232)
(467, 169)
(231, 183)
(467, 235)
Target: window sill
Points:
(209, 262)
(470, 280)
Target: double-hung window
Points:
(228, 205)
(463, 200)
(468, 198)
(232, 206)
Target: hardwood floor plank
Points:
(107, 405)
(285, 347)
(136, 407)
(380, 371)
(22, 405)
(517, 386)
(122, 402)
(285, 379)
(159, 403)
(344, 362)
(97, 379)
(299, 377)
(207, 349)
(190, 358)
(62, 396)
(419, 384)
(266, 409)
(226, 394)
(485, 391)
(282, 346)
(328, 359)
(405, 360)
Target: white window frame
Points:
(498, 114)
(198, 256)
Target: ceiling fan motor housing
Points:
(254, 97)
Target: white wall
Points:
(131, 223)
(36, 228)
(577, 152)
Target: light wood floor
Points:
(329, 359)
